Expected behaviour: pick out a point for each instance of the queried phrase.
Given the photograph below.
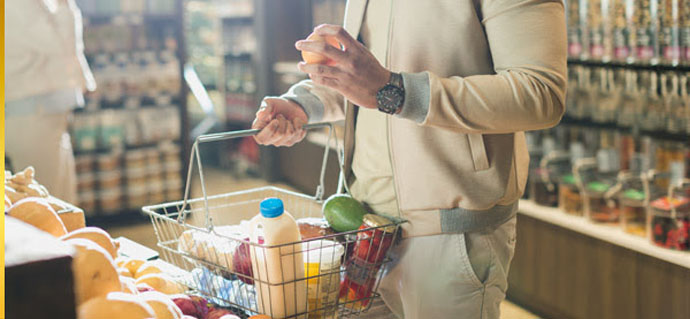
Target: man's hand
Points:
(356, 74)
(280, 121)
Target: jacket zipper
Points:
(388, 123)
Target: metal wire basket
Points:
(206, 238)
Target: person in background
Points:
(435, 96)
(45, 75)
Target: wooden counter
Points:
(566, 267)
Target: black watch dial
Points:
(390, 98)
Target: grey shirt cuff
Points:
(311, 104)
(417, 96)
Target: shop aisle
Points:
(220, 181)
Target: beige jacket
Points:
(477, 74)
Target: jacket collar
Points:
(354, 14)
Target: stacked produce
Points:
(106, 285)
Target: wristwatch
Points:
(391, 96)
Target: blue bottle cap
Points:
(271, 207)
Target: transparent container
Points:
(685, 33)
(632, 199)
(633, 211)
(110, 200)
(669, 31)
(674, 106)
(85, 163)
(574, 22)
(644, 18)
(86, 200)
(569, 196)
(135, 159)
(86, 181)
(670, 218)
(137, 196)
(545, 181)
(322, 260)
(109, 161)
(109, 179)
(136, 177)
(623, 30)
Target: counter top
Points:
(609, 233)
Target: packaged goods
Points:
(322, 259)
(135, 159)
(109, 179)
(313, 228)
(110, 200)
(278, 271)
(670, 222)
(363, 266)
(86, 181)
(109, 161)
(84, 163)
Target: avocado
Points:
(343, 213)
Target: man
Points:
(45, 75)
(435, 98)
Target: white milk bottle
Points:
(276, 269)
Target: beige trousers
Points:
(449, 275)
(41, 140)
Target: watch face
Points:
(390, 98)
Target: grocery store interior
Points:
(603, 228)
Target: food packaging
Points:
(84, 163)
(110, 200)
(322, 260)
(109, 161)
(109, 179)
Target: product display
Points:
(363, 266)
(322, 260)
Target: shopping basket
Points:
(194, 235)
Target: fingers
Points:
(322, 48)
(338, 32)
(319, 69)
(263, 116)
(280, 132)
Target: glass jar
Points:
(569, 196)
(633, 212)
(670, 222)
(599, 206)
(544, 186)
(632, 202)
(574, 33)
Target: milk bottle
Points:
(274, 266)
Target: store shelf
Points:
(611, 234)
(632, 66)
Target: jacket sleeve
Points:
(319, 102)
(527, 39)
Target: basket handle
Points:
(216, 137)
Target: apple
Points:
(194, 306)
(185, 304)
(217, 313)
(201, 305)
(242, 261)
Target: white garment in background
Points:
(41, 140)
(45, 74)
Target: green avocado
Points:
(343, 213)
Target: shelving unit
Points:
(606, 232)
(130, 138)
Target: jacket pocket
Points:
(478, 150)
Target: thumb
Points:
(298, 122)
(264, 115)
